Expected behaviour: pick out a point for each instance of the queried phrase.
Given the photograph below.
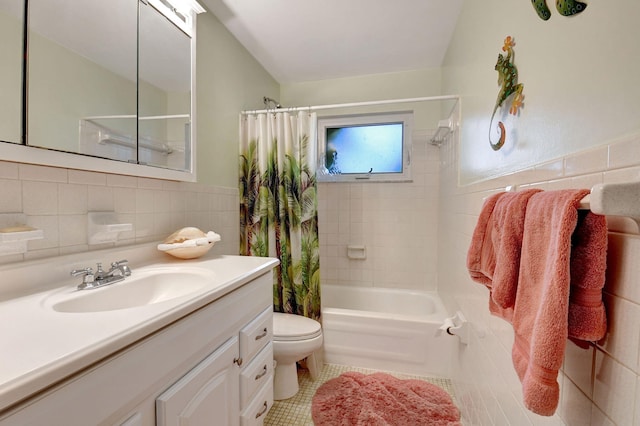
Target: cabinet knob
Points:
(237, 361)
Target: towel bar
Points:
(617, 199)
(611, 199)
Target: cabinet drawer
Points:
(255, 335)
(254, 375)
(256, 412)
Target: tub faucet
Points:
(100, 278)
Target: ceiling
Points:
(305, 40)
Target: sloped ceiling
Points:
(304, 40)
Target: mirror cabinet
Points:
(106, 80)
(11, 49)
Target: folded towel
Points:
(494, 255)
(540, 314)
(481, 257)
(587, 316)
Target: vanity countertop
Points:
(42, 346)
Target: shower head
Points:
(268, 101)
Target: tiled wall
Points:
(396, 222)
(57, 201)
(599, 385)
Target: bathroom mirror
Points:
(108, 80)
(164, 92)
(11, 35)
(82, 73)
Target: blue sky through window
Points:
(360, 149)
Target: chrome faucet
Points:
(90, 280)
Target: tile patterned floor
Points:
(296, 411)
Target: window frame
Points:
(353, 120)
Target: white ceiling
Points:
(306, 40)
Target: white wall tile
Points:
(42, 173)
(100, 198)
(624, 154)
(593, 160)
(72, 230)
(49, 225)
(578, 367)
(396, 221)
(72, 199)
(8, 170)
(124, 200)
(122, 181)
(57, 201)
(87, 178)
(149, 183)
(575, 407)
(623, 268)
(614, 389)
(629, 174)
(11, 196)
(600, 384)
(622, 340)
(598, 418)
(145, 201)
(39, 198)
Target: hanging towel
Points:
(587, 316)
(561, 254)
(493, 258)
(481, 257)
(541, 311)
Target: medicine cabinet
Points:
(104, 86)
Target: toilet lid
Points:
(294, 327)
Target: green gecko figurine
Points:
(508, 80)
(565, 7)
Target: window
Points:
(375, 147)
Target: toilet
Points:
(294, 338)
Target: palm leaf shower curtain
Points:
(278, 204)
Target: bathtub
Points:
(386, 329)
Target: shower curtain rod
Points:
(355, 104)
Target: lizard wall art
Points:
(508, 80)
(565, 7)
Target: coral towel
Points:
(494, 256)
(558, 290)
(587, 316)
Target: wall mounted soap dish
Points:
(104, 227)
(15, 233)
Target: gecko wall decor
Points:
(565, 7)
(508, 81)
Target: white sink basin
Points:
(143, 288)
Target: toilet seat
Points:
(290, 327)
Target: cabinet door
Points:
(134, 420)
(206, 395)
(11, 21)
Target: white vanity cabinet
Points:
(256, 376)
(213, 391)
(207, 392)
(211, 367)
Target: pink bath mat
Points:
(356, 399)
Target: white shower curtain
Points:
(278, 204)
